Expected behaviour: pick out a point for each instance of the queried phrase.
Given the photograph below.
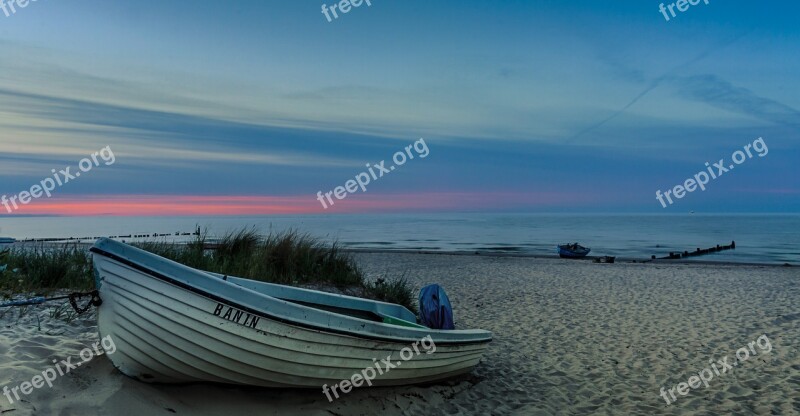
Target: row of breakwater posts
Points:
(697, 252)
(81, 239)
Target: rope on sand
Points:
(74, 298)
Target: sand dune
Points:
(570, 338)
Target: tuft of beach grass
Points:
(44, 270)
(290, 258)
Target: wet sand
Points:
(571, 337)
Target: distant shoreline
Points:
(589, 259)
(764, 239)
(481, 253)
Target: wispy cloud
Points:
(719, 93)
(637, 76)
(156, 135)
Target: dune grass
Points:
(45, 269)
(289, 258)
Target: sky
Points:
(263, 107)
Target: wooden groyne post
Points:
(698, 252)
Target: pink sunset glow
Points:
(171, 205)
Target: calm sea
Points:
(762, 238)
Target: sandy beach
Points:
(571, 337)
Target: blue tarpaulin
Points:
(434, 308)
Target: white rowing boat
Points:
(175, 324)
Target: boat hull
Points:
(166, 332)
(566, 253)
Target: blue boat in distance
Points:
(572, 251)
